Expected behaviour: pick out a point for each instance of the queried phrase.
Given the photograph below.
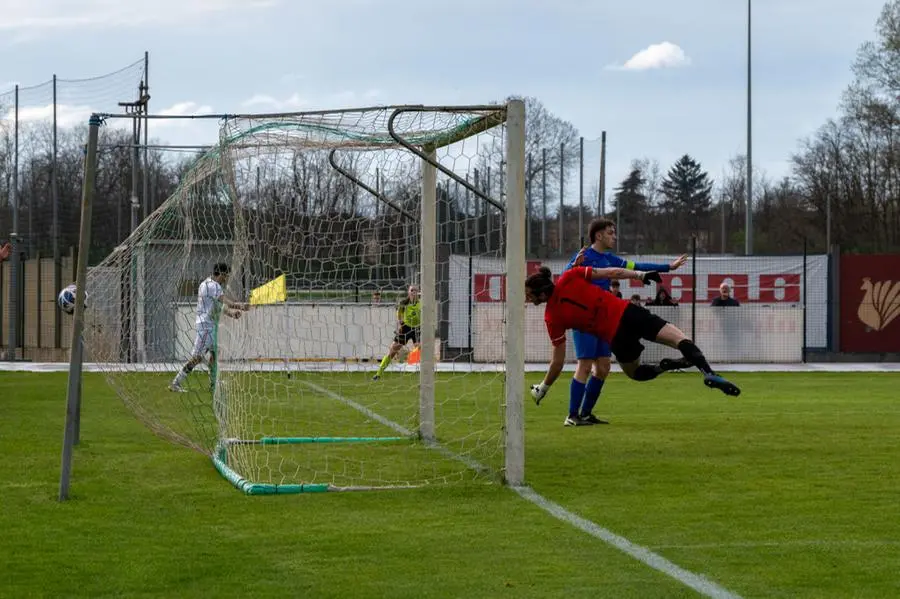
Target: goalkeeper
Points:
(593, 354)
(575, 303)
(409, 319)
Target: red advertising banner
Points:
(870, 302)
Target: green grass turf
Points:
(790, 490)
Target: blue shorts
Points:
(590, 347)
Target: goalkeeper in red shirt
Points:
(574, 303)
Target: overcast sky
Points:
(662, 78)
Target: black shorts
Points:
(407, 333)
(637, 323)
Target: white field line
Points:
(699, 583)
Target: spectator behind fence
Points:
(614, 288)
(662, 298)
(636, 299)
(725, 298)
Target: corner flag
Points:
(271, 292)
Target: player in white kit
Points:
(210, 300)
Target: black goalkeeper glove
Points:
(651, 276)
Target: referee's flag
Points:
(271, 292)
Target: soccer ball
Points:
(66, 299)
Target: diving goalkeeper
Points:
(409, 319)
(575, 303)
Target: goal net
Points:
(352, 234)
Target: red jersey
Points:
(578, 304)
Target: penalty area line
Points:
(699, 583)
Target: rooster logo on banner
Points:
(880, 304)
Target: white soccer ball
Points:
(66, 299)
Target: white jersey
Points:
(209, 302)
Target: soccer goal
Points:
(325, 221)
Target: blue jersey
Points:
(597, 259)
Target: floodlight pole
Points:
(748, 234)
(76, 354)
(137, 109)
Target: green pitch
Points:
(790, 490)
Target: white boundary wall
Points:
(724, 334)
(768, 327)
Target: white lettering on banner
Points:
(760, 281)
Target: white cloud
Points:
(656, 56)
(66, 115)
(185, 131)
(69, 14)
(296, 102)
(293, 102)
(186, 108)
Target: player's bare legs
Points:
(189, 366)
(213, 371)
(674, 337)
(386, 360)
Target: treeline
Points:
(112, 202)
(844, 178)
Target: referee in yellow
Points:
(409, 319)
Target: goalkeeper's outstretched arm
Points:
(557, 361)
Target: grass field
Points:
(790, 490)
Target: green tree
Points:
(632, 209)
(687, 194)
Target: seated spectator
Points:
(725, 298)
(662, 298)
(614, 288)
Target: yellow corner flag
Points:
(269, 293)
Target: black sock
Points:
(187, 368)
(693, 355)
(646, 372)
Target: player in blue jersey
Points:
(593, 353)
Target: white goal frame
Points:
(513, 113)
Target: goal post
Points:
(515, 293)
(429, 295)
(325, 220)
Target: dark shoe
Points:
(667, 364)
(590, 418)
(717, 382)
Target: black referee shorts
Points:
(407, 333)
(637, 323)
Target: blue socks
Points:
(584, 395)
(576, 394)
(591, 395)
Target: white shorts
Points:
(204, 340)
